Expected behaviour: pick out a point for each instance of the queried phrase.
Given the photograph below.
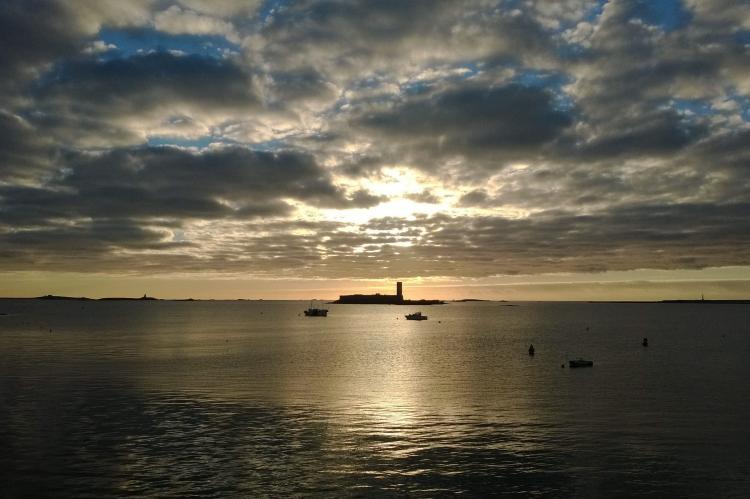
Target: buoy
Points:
(645, 342)
(531, 350)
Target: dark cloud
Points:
(24, 153)
(596, 185)
(300, 84)
(472, 121)
(651, 134)
(635, 67)
(96, 238)
(169, 183)
(364, 199)
(34, 32)
(375, 37)
(137, 83)
(477, 197)
(361, 166)
(358, 27)
(424, 197)
(116, 101)
(727, 150)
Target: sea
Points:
(253, 399)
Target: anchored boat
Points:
(316, 312)
(581, 363)
(416, 316)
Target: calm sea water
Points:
(251, 399)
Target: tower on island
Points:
(378, 299)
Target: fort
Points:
(378, 299)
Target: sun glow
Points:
(394, 182)
(407, 194)
(399, 208)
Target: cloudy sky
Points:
(520, 149)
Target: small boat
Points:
(581, 363)
(416, 316)
(316, 312)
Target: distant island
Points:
(378, 299)
(706, 302)
(719, 302)
(55, 297)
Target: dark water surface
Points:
(250, 399)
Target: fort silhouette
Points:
(378, 299)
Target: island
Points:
(378, 299)
(56, 297)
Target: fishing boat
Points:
(316, 312)
(581, 363)
(416, 316)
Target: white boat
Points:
(416, 316)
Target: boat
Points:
(416, 316)
(581, 363)
(316, 312)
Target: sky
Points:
(513, 149)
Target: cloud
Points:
(24, 153)
(633, 63)
(92, 102)
(470, 121)
(556, 14)
(39, 32)
(424, 197)
(168, 183)
(652, 133)
(477, 197)
(223, 8)
(142, 81)
(364, 199)
(526, 137)
(351, 38)
(175, 20)
(721, 12)
(300, 84)
(21, 49)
